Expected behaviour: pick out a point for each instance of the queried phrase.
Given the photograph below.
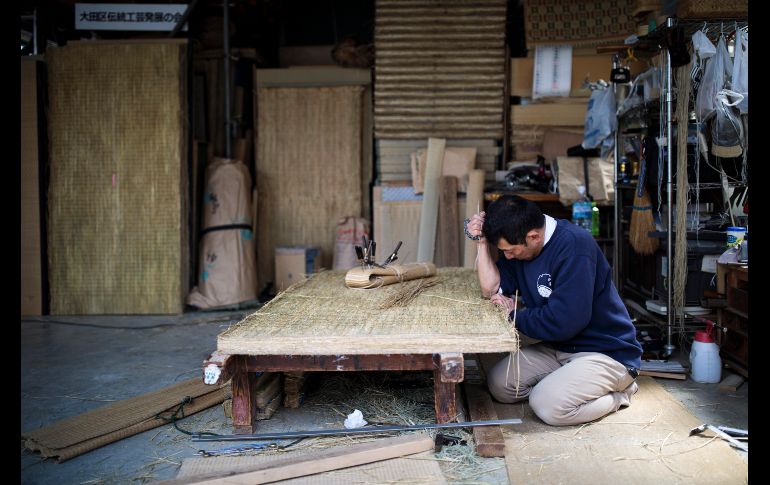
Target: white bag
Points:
(600, 118)
(740, 82)
(718, 70)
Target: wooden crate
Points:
(733, 340)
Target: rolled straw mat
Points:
(74, 436)
(376, 276)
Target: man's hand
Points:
(474, 226)
(503, 301)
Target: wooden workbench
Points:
(321, 325)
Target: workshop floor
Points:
(68, 369)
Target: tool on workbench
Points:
(733, 442)
(393, 256)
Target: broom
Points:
(641, 217)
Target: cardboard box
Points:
(293, 264)
(593, 67)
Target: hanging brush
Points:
(641, 216)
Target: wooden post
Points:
(447, 251)
(444, 395)
(244, 402)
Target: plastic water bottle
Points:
(706, 366)
(581, 215)
(595, 223)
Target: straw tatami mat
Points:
(118, 239)
(76, 435)
(322, 316)
(419, 468)
(645, 443)
(308, 168)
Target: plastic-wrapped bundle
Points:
(227, 272)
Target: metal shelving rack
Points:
(652, 44)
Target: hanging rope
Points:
(683, 80)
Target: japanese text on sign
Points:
(111, 16)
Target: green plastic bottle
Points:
(595, 223)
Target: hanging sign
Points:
(134, 16)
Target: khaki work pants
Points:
(563, 388)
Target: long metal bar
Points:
(616, 231)
(670, 311)
(226, 78)
(336, 432)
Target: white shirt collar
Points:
(550, 227)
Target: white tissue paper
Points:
(355, 420)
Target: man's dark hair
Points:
(511, 217)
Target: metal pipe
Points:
(34, 32)
(670, 312)
(226, 75)
(338, 432)
(616, 223)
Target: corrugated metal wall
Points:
(439, 69)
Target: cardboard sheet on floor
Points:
(419, 468)
(645, 443)
(79, 434)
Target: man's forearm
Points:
(489, 276)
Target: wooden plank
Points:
(494, 101)
(323, 461)
(312, 76)
(406, 160)
(473, 204)
(489, 439)
(363, 362)
(666, 375)
(32, 278)
(447, 250)
(429, 214)
(731, 383)
(406, 150)
(457, 142)
(266, 387)
(566, 114)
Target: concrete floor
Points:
(69, 369)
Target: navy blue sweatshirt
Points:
(570, 299)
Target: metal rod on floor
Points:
(335, 432)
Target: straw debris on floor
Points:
(645, 443)
(322, 315)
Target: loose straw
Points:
(513, 323)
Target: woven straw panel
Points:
(117, 233)
(585, 23)
(308, 168)
(439, 68)
(394, 162)
(321, 316)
